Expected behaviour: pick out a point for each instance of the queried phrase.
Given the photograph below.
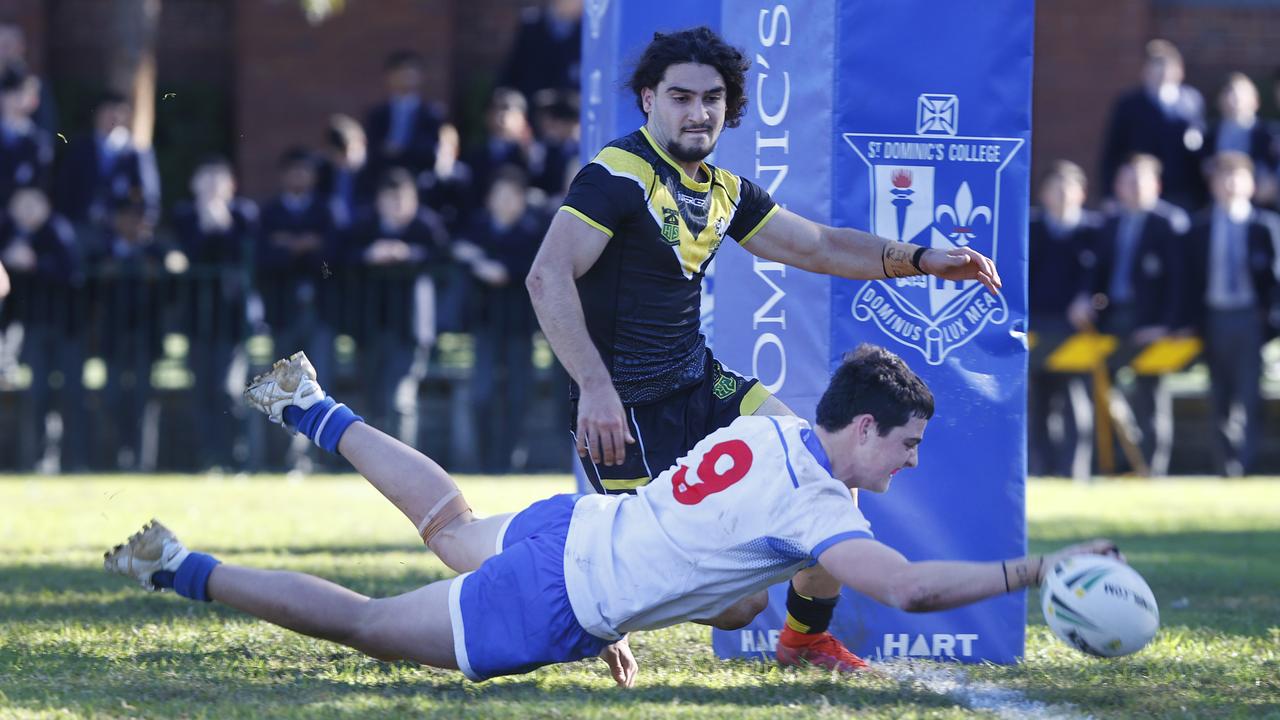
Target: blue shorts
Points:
(512, 615)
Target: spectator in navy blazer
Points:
(507, 232)
(297, 260)
(39, 104)
(133, 292)
(343, 174)
(1231, 296)
(46, 277)
(1239, 128)
(106, 168)
(403, 130)
(399, 247)
(1060, 232)
(509, 140)
(217, 231)
(547, 51)
(557, 125)
(1134, 280)
(26, 150)
(299, 272)
(1164, 118)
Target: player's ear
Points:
(646, 99)
(864, 426)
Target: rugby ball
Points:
(1099, 605)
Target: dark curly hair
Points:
(696, 45)
(874, 381)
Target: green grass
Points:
(75, 642)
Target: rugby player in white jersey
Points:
(749, 506)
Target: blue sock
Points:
(191, 579)
(322, 423)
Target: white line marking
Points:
(976, 694)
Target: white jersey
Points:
(750, 505)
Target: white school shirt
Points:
(750, 505)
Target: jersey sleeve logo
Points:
(734, 456)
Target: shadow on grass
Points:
(443, 689)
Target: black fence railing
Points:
(139, 366)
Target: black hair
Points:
(395, 178)
(873, 381)
(513, 174)
(556, 104)
(109, 97)
(12, 79)
(397, 59)
(341, 130)
(296, 155)
(696, 45)
(214, 160)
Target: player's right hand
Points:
(602, 425)
(1089, 547)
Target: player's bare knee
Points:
(440, 529)
(449, 544)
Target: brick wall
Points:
(290, 76)
(30, 16)
(1087, 52)
(1219, 40)
(285, 76)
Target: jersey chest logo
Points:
(692, 225)
(723, 465)
(670, 226)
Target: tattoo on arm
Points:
(896, 260)
(1025, 576)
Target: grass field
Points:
(75, 642)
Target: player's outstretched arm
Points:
(569, 250)
(844, 252)
(877, 570)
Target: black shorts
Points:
(668, 428)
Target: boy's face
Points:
(877, 458)
(29, 209)
(213, 182)
(397, 205)
(298, 178)
(111, 116)
(131, 225)
(404, 79)
(506, 202)
(1231, 185)
(1137, 187)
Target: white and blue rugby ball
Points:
(1099, 605)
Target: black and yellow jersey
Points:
(642, 297)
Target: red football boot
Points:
(819, 649)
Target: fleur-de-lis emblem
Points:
(963, 216)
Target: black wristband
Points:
(1004, 570)
(915, 259)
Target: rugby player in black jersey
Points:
(617, 289)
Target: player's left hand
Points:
(622, 664)
(961, 264)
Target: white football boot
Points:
(290, 381)
(146, 552)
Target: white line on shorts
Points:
(975, 694)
